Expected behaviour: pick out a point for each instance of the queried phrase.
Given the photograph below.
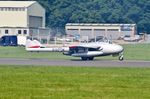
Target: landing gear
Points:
(91, 58)
(121, 57)
(84, 58)
(87, 58)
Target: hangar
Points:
(25, 18)
(111, 31)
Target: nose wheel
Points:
(121, 57)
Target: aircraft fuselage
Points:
(91, 50)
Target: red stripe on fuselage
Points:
(72, 46)
(34, 47)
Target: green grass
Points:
(29, 82)
(132, 52)
(20, 52)
(137, 51)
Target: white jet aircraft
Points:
(87, 51)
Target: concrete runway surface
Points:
(75, 62)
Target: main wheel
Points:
(91, 58)
(84, 58)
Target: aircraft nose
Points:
(119, 48)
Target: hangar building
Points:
(25, 18)
(111, 31)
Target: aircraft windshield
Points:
(100, 39)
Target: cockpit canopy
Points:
(100, 39)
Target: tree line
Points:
(60, 12)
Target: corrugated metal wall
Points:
(35, 21)
(73, 32)
(86, 32)
(99, 32)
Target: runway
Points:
(94, 63)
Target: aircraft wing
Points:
(93, 48)
(85, 51)
(90, 45)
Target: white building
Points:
(24, 18)
(111, 31)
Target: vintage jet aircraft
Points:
(87, 51)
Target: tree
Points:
(60, 12)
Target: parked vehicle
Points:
(21, 40)
(9, 40)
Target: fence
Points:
(57, 37)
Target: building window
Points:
(99, 29)
(86, 29)
(24, 32)
(5, 9)
(73, 29)
(23, 9)
(19, 31)
(19, 9)
(112, 30)
(15, 9)
(1, 9)
(9, 9)
(6, 31)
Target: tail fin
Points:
(33, 44)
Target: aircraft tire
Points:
(84, 58)
(91, 58)
(121, 58)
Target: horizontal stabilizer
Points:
(36, 46)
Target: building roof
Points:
(98, 24)
(16, 3)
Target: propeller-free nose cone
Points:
(119, 48)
